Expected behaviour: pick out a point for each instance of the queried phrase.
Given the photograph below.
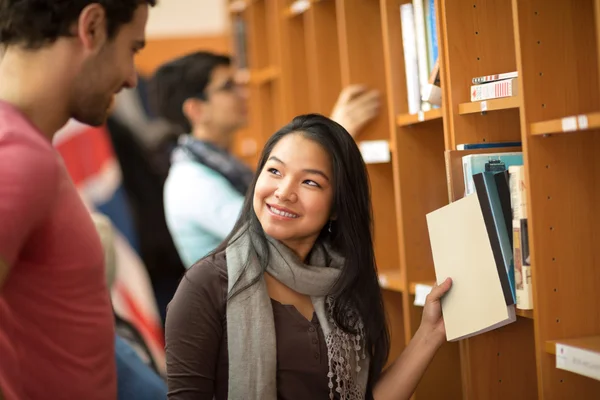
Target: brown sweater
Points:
(196, 341)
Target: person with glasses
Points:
(200, 94)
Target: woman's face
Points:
(294, 192)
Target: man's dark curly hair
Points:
(36, 23)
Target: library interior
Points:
(480, 158)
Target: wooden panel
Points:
(362, 62)
(501, 364)
(161, 50)
(392, 301)
(295, 69)
(563, 175)
(323, 56)
(564, 182)
(442, 379)
(559, 66)
(480, 42)
(361, 55)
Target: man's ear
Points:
(193, 109)
(91, 27)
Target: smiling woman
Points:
(289, 305)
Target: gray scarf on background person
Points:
(251, 328)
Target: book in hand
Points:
(479, 300)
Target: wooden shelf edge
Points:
(391, 280)
(259, 76)
(524, 313)
(421, 116)
(574, 123)
(589, 343)
(504, 103)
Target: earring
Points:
(330, 221)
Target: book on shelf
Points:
(495, 162)
(420, 49)
(480, 299)
(495, 77)
(488, 145)
(495, 90)
(522, 264)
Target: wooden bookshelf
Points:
(553, 45)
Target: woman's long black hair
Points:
(351, 233)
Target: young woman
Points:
(289, 306)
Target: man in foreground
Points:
(62, 59)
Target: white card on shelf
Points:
(421, 292)
(569, 124)
(579, 361)
(375, 151)
(421, 116)
(582, 121)
(483, 105)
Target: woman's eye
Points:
(273, 171)
(312, 183)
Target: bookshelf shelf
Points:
(391, 280)
(505, 103)
(525, 313)
(589, 343)
(411, 119)
(575, 123)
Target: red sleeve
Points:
(28, 187)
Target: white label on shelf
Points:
(582, 121)
(300, 6)
(483, 105)
(383, 281)
(421, 292)
(569, 124)
(421, 116)
(375, 151)
(579, 361)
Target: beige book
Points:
(462, 251)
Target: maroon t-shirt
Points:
(196, 341)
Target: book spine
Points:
(486, 191)
(493, 78)
(489, 145)
(494, 90)
(411, 67)
(421, 39)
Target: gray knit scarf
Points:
(251, 328)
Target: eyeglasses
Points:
(229, 86)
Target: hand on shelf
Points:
(355, 107)
(432, 321)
